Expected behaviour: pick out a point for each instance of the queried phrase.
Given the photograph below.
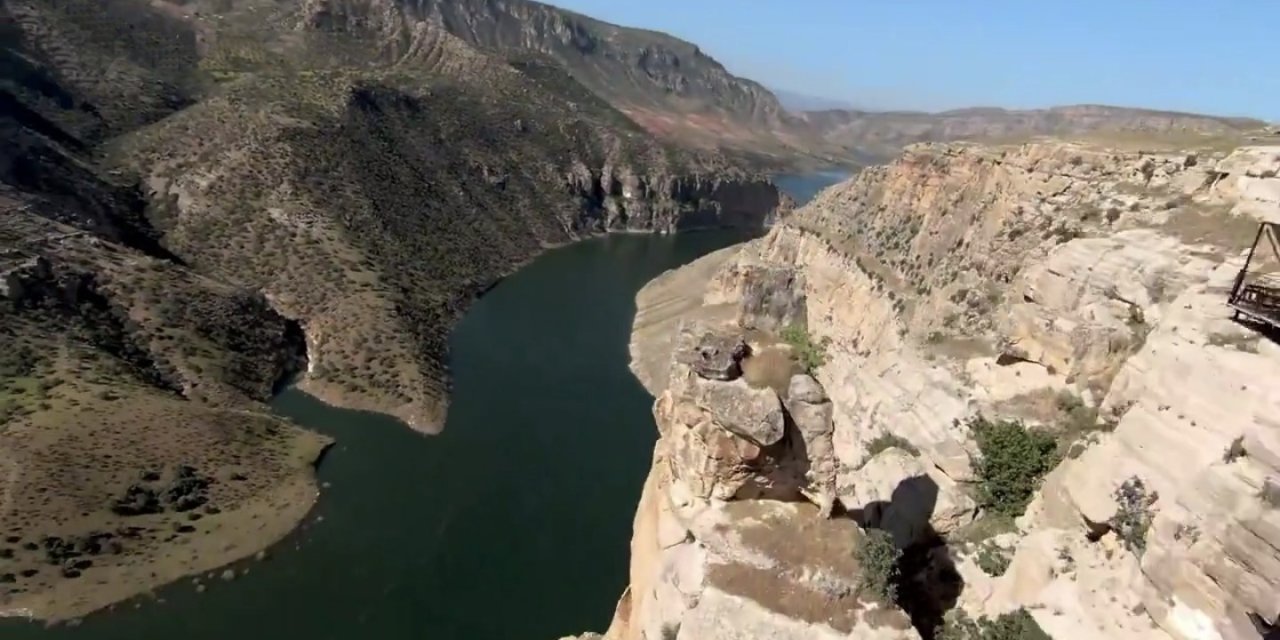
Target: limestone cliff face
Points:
(962, 279)
(731, 534)
(632, 199)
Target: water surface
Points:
(512, 524)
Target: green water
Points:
(513, 524)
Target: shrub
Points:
(1014, 459)
(1078, 416)
(1235, 451)
(993, 560)
(886, 441)
(878, 557)
(1133, 517)
(808, 353)
(1017, 625)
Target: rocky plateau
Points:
(1075, 289)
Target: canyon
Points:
(199, 204)
(203, 202)
(1069, 288)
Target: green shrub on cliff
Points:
(1133, 515)
(878, 557)
(1018, 625)
(1014, 459)
(809, 353)
(993, 560)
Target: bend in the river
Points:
(514, 523)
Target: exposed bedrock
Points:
(1076, 289)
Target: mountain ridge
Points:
(200, 200)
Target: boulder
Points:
(754, 414)
(898, 492)
(811, 412)
(770, 297)
(716, 356)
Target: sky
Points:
(1208, 56)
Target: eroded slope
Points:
(1075, 290)
(202, 199)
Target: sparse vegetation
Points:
(1235, 450)
(992, 559)
(373, 201)
(1133, 514)
(1239, 342)
(1077, 416)
(1013, 461)
(878, 559)
(887, 441)
(1018, 625)
(984, 528)
(810, 354)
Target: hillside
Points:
(882, 134)
(667, 85)
(675, 91)
(201, 200)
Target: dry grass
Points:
(1199, 224)
(1136, 140)
(77, 447)
(116, 369)
(801, 546)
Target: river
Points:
(512, 524)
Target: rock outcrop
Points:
(723, 531)
(1065, 285)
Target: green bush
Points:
(1014, 459)
(993, 560)
(889, 441)
(1133, 517)
(1077, 416)
(808, 353)
(1018, 625)
(878, 557)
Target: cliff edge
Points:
(1070, 292)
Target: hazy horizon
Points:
(935, 55)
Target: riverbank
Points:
(524, 499)
(608, 271)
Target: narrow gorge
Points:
(843, 376)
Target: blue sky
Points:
(1210, 56)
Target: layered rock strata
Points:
(1072, 287)
(724, 530)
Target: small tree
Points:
(1133, 516)
(878, 557)
(993, 560)
(1014, 459)
(808, 353)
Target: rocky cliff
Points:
(1071, 290)
(667, 85)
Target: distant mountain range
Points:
(799, 102)
(676, 91)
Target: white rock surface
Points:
(1094, 272)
